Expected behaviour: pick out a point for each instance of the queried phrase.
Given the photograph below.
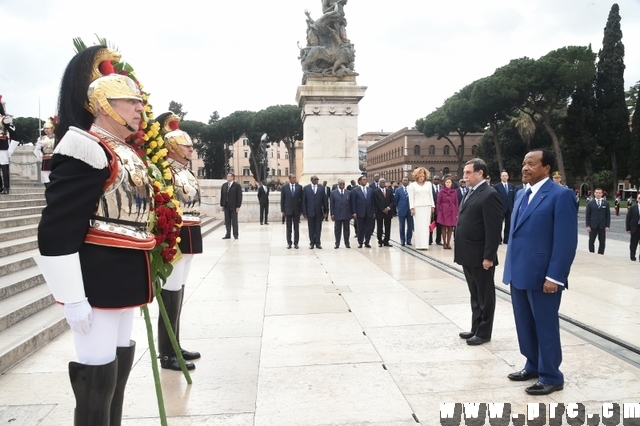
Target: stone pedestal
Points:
(330, 116)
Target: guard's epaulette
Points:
(82, 146)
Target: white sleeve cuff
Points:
(554, 281)
(63, 274)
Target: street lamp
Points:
(263, 152)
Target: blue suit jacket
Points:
(362, 205)
(543, 242)
(507, 197)
(402, 202)
(341, 205)
(314, 204)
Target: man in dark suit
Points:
(314, 206)
(633, 228)
(383, 200)
(230, 201)
(291, 207)
(598, 219)
(507, 194)
(327, 193)
(340, 206)
(542, 246)
(263, 199)
(436, 187)
(363, 210)
(401, 201)
(476, 248)
(461, 190)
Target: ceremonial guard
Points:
(93, 236)
(187, 192)
(44, 149)
(7, 146)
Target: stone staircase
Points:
(29, 316)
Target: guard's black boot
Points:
(187, 355)
(125, 357)
(93, 386)
(172, 303)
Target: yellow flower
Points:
(149, 151)
(169, 190)
(154, 159)
(165, 164)
(178, 239)
(160, 143)
(153, 144)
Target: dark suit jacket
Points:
(507, 197)
(633, 215)
(373, 185)
(543, 242)
(598, 217)
(341, 205)
(231, 198)
(460, 194)
(383, 201)
(314, 204)
(290, 204)
(479, 228)
(263, 196)
(362, 205)
(402, 202)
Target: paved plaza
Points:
(348, 337)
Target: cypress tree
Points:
(634, 157)
(613, 116)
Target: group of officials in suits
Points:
(542, 237)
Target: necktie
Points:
(364, 189)
(466, 197)
(405, 191)
(341, 192)
(506, 188)
(525, 204)
(599, 203)
(314, 189)
(292, 189)
(384, 192)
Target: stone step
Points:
(29, 335)
(24, 304)
(18, 245)
(19, 281)
(17, 262)
(17, 232)
(9, 222)
(21, 211)
(12, 204)
(23, 196)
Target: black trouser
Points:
(483, 299)
(231, 220)
(602, 237)
(264, 212)
(364, 229)
(633, 243)
(294, 220)
(340, 228)
(314, 225)
(383, 224)
(6, 181)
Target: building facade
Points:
(398, 154)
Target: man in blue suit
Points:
(401, 199)
(363, 210)
(340, 205)
(314, 208)
(291, 206)
(507, 194)
(542, 246)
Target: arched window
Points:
(416, 150)
(445, 171)
(432, 150)
(474, 150)
(445, 150)
(432, 171)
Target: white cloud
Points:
(242, 55)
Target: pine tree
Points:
(634, 157)
(612, 113)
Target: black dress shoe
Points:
(347, 245)
(408, 244)
(402, 244)
(521, 376)
(190, 355)
(379, 244)
(310, 246)
(288, 246)
(296, 246)
(359, 245)
(367, 245)
(438, 244)
(319, 246)
(466, 334)
(633, 259)
(336, 246)
(266, 223)
(235, 238)
(387, 245)
(171, 363)
(542, 389)
(226, 237)
(475, 341)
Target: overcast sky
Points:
(242, 55)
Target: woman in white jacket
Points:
(422, 206)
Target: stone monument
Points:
(329, 97)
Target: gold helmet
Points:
(113, 86)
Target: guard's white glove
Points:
(78, 316)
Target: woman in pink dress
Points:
(447, 210)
